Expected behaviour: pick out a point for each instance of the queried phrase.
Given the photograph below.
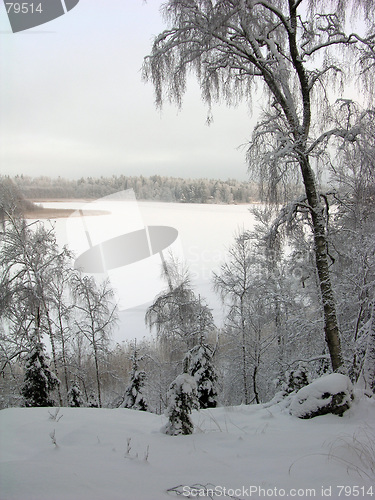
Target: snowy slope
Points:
(122, 455)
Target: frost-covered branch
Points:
(286, 216)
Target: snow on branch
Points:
(348, 123)
(277, 13)
(287, 215)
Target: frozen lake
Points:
(205, 232)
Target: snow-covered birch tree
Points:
(30, 263)
(97, 316)
(249, 296)
(297, 49)
(180, 317)
(234, 283)
(353, 241)
(368, 370)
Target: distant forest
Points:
(156, 187)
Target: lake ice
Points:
(205, 233)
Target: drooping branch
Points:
(350, 124)
(287, 215)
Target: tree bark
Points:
(255, 388)
(97, 374)
(331, 329)
(244, 354)
(53, 348)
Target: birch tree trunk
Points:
(291, 46)
(331, 329)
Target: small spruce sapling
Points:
(39, 380)
(198, 364)
(297, 379)
(133, 397)
(92, 401)
(75, 399)
(182, 399)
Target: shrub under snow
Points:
(329, 394)
(198, 364)
(182, 398)
(75, 399)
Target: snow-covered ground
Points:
(236, 452)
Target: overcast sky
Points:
(73, 102)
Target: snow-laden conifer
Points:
(133, 397)
(198, 364)
(297, 378)
(92, 402)
(39, 380)
(75, 399)
(182, 398)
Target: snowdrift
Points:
(235, 452)
(332, 393)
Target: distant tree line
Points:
(11, 196)
(156, 187)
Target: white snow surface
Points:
(120, 454)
